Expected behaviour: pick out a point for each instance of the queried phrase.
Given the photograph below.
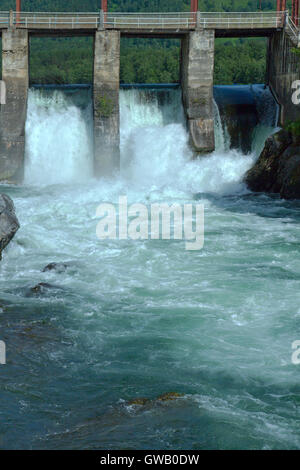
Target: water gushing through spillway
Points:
(154, 140)
(155, 152)
(122, 321)
(59, 136)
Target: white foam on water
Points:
(156, 153)
(58, 143)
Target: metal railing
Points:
(148, 21)
(238, 20)
(214, 20)
(55, 20)
(4, 18)
(293, 31)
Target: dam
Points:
(197, 32)
(140, 344)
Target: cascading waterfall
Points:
(268, 113)
(154, 141)
(222, 140)
(248, 113)
(59, 135)
(155, 150)
(157, 106)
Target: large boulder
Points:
(9, 223)
(288, 175)
(278, 168)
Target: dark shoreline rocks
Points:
(9, 223)
(278, 168)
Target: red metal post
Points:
(194, 9)
(295, 11)
(104, 6)
(18, 11)
(281, 5)
(194, 6)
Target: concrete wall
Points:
(197, 70)
(13, 114)
(283, 70)
(106, 102)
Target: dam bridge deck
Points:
(150, 24)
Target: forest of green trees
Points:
(140, 5)
(70, 60)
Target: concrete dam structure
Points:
(197, 32)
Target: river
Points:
(136, 319)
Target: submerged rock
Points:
(139, 401)
(58, 267)
(42, 287)
(162, 398)
(9, 223)
(169, 396)
(278, 168)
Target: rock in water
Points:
(169, 396)
(42, 288)
(139, 401)
(9, 223)
(165, 397)
(278, 168)
(59, 267)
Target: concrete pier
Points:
(106, 102)
(197, 70)
(13, 113)
(283, 70)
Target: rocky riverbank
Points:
(278, 168)
(9, 223)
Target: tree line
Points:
(141, 5)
